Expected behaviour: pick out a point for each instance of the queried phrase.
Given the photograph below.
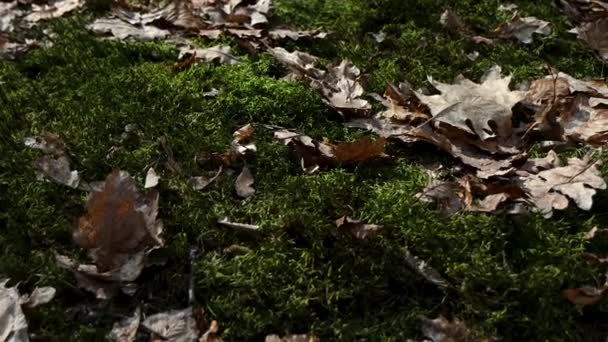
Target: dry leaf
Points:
(586, 120)
(53, 9)
(201, 182)
(422, 268)
(442, 330)
(244, 183)
(175, 326)
(240, 143)
(292, 338)
(593, 232)
(278, 34)
(13, 324)
(585, 295)
(447, 195)
(8, 13)
(220, 53)
(122, 30)
(357, 229)
(481, 109)
(453, 23)
(315, 155)
(151, 179)
(119, 230)
(551, 189)
(594, 34)
(524, 28)
(126, 330)
(211, 334)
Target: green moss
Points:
(300, 276)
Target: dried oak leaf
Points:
(339, 87)
(315, 154)
(240, 144)
(292, 338)
(244, 183)
(233, 13)
(482, 109)
(447, 195)
(551, 189)
(281, 33)
(585, 295)
(122, 30)
(523, 28)
(357, 229)
(119, 229)
(13, 324)
(441, 329)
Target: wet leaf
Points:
(357, 229)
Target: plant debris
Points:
(523, 28)
(244, 183)
(292, 338)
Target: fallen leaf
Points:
(593, 232)
(126, 330)
(8, 13)
(201, 182)
(359, 151)
(523, 28)
(594, 34)
(278, 34)
(551, 189)
(211, 335)
(13, 323)
(218, 53)
(357, 229)
(422, 268)
(49, 143)
(244, 183)
(481, 109)
(240, 143)
(447, 195)
(586, 120)
(174, 325)
(585, 295)
(53, 9)
(442, 330)
(453, 23)
(122, 30)
(151, 179)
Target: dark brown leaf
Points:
(357, 229)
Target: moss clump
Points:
(506, 275)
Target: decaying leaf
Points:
(357, 229)
(422, 268)
(292, 338)
(585, 295)
(339, 87)
(551, 189)
(13, 323)
(119, 230)
(523, 28)
(126, 330)
(315, 155)
(244, 183)
(441, 329)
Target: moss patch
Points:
(299, 277)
